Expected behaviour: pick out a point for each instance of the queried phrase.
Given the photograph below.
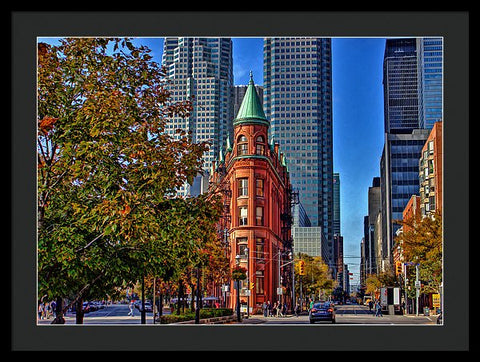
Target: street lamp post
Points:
(237, 261)
(248, 282)
(143, 319)
(197, 309)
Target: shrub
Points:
(204, 313)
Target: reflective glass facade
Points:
(400, 85)
(298, 103)
(202, 68)
(430, 65)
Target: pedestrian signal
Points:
(301, 267)
(398, 268)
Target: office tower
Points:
(202, 69)
(338, 259)
(400, 85)
(405, 99)
(399, 168)
(336, 203)
(430, 65)
(298, 101)
(374, 208)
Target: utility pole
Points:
(417, 286)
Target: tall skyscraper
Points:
(298, 101)
(430, 65)
(336, 203)
(400, 85)
(410, 101)
(202, 69)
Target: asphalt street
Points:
(117, 314)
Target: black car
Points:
(322, 311)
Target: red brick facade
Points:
(260, 215)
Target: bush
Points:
(204, 313)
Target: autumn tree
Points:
(108, 172)
(317, 278)
(421, 242)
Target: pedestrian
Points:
(274, 309)
(284, 309)
(378, 311)
(279, 309)
(269, 309)
(370, 305)
(265, 309)
(297, 309)
(40, 310)
(132, 309)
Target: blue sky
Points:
(357, 65)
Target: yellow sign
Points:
(436, 300)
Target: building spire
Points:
(251, 109)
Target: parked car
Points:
(148, 306)
(322, 311)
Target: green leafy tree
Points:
(317, 279)
(422, 242)
(107, 171)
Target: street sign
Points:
(418, 284)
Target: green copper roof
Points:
(251, 109)
(229, 145)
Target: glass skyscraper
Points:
(298, 103)
(430, 65)
(400, 84)
(202, 69)
(413, 91)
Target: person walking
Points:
(370, 305)
(297, 309)
(265, 309)
(269, 309)
(378, 310)
(132, 309)
(40, 311)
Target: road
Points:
(345, 314)
(350, 314)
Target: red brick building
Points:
(259, 237)
(431, 172)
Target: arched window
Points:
(260, 145)
(242, 145)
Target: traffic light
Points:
(301, 267)
(398, 268)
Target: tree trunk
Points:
(79, 311)
(160, 305)
(192, 300)
(59, 312)
(180, 296)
